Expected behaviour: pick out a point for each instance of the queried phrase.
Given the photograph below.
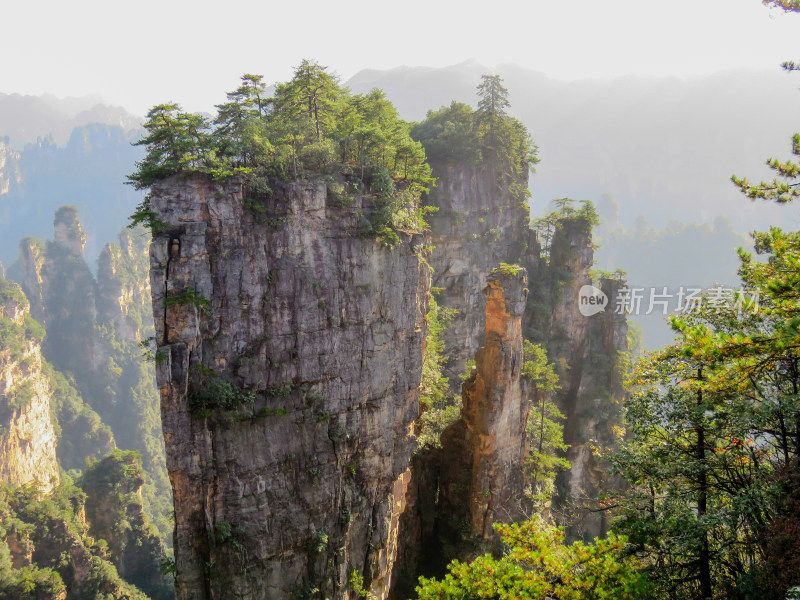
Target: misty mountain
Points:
(665, 148)
(23, 119)
(662, 148)
(88, 172)
(654, 154)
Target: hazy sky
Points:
(137, 54)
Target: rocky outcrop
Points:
(93, 332)
(9, 166)
(123, 285)
(68, 231)
(115, 514)
(586, 351)
(27, 435)
(289, 360)
(482, 482)
(478, 225)
(27, 271)
(590, 400)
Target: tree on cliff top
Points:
(311, 128)
(491, 114)
(459, 134)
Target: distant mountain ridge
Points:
(665, 148)
(24, 118)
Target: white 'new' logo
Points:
(591, 300)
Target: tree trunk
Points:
(704, 559)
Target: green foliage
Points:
(784, 188)
(319, 542)
(29, 582)
(189, 297)
(449, 135)
(311, 128)
(457, 134)
(539, 566)
(114, 511)
(712, 435)
(506, 270)
(544, 427)
(213, 392)
(122, 469)
(143, 215)
(176, 142)
(16, 337)
(11, 293)
(435, 420)
(54, 529)
(438, 409)
(356, 580)
(563, 216)
(434, 385)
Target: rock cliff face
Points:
(27, 435)
(9, 167)
(289, 358)
(477, 226)
(27, 271)
(587, 351)
(94, 326)
(483, 483)
(289, 364)
(123, 285)
(114, 513)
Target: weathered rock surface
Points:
(10, 174)
(68, 231)
(484, 483)
(93, 329)
(315, 334)
(123, 285)
(27, 435)
(27, 271)
(477, 226)
(586, 351)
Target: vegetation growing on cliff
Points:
(115, 513)
(311, 127)
(46, 550)
(545, 428)
(437, 406)
(486, 135)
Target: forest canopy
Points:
(312, 127)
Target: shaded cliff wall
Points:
(27, 435)
(289, 364)
(586, 351)
(478, 225)
(123, 286)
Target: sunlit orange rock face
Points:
(485, 448)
